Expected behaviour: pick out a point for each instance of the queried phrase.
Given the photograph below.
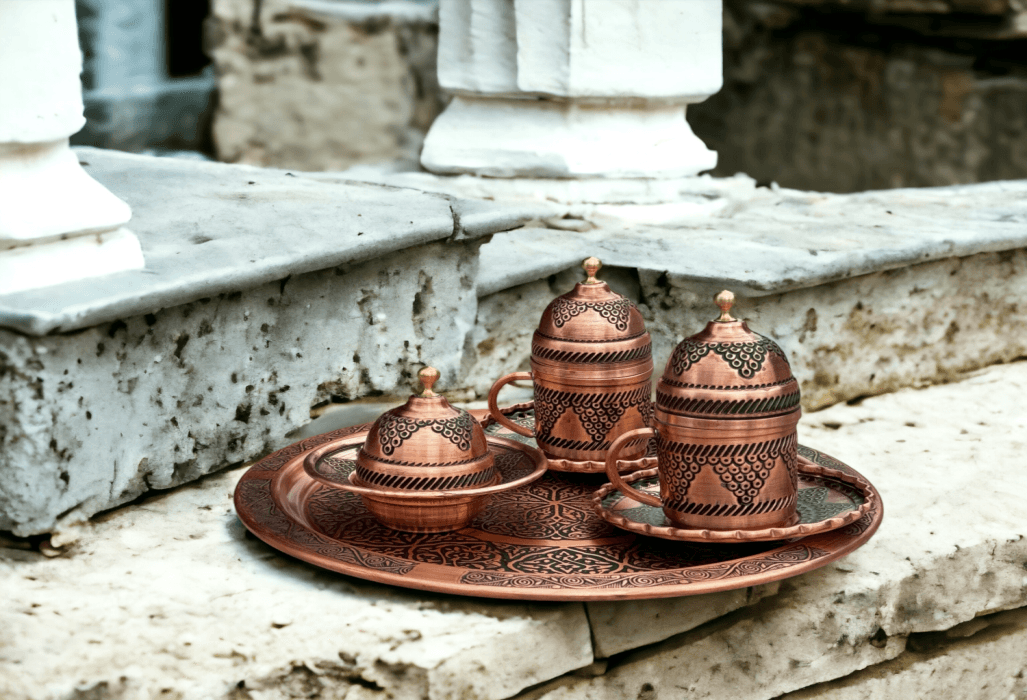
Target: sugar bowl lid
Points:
(727, 371)
(409, 444)
(591, 312)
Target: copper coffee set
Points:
(508, 503)
(723, 426)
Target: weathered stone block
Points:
(876, 333)
(265, 294)
(989, 663)
(322, 85)
(95, 418)
(831, 101)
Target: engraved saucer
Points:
(335, 464)
(830, 497)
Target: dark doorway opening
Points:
(185, 20)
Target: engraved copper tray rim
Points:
(313, 457)
(570, 466)
(272, 490)
(681, 534)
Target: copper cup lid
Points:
(591, 312)
(426, 432)
(727, 370)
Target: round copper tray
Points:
(521, 413)
(828, 499)
(540, 542)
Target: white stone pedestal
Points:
(566, 88)
(56, 223)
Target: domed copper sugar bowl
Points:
(426, 466)
(726, 413)
(592, 365)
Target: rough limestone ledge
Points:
(170, 594)
(949, 462)
(867, 293)
(982, 659)
(265, 295)
(170, 598)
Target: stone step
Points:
(270, 294)
(265, 294)
(948, 461)
(171, 596)
(867, 293)
(982, 659)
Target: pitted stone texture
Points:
(93, 419)
(948, 461)
(989, 663)
(845, 336)
(170, 598)
(317, 85)
(919, 325)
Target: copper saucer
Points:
(829, 498)
(523, 414)
(538, 542)
(333, 465)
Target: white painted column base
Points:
(33, 266)
(45, 194)
(498, 137)
(57, 224)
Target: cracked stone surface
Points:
(983, 659)
(949, 462)
(170, 598)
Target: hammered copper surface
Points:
(727, 407)
(539, 542)
(591, 362)
(828, 499)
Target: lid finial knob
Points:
(725, 300)
(428, 376)
(591, 266)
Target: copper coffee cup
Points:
(726, 411)
(591, 363)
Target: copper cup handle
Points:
(494, 403)
(614, 474)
